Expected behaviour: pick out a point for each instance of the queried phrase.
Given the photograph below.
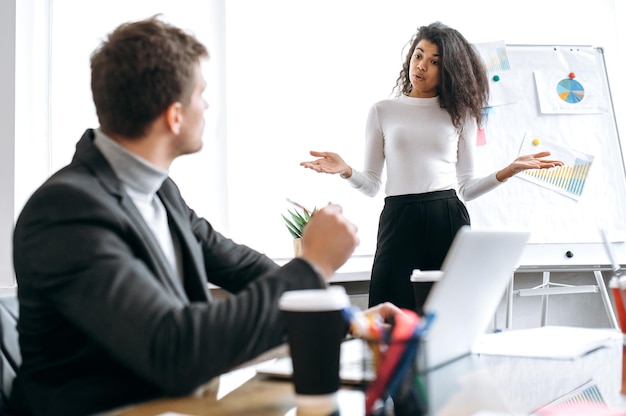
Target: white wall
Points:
(7, 137)
(617, 64)
(302, 75)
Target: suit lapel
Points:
(89, 156)
(165, 272)
(194, 272)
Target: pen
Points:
(408, 356)
(357, 320)
(425, 323)
(374, 339)
(302, 207)
(616, 284)
(404, 326)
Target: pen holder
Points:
(391, 377)
(623, 386)
(618, 287)
(392, 383)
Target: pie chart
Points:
(570, 91)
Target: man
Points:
(112, 266)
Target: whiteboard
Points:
(557, 98)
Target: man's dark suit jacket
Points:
(103, 322)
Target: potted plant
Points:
(295, 223)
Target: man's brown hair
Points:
(139, 70)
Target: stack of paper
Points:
(557, 342)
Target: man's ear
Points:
(174, 117)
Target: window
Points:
(277, 89)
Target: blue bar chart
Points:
(499, 61)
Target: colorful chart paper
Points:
(569, 179)
(503, 82)
(570, 91)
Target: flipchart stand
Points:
(548, 288)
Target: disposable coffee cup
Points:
(315, 328)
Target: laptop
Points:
(468, 289)
(470, 286)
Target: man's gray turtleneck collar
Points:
(141, 180)
(135, 172)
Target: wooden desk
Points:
(505, 384)
(259, 396)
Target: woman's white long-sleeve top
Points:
(422, 149)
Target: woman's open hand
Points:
(328, 162)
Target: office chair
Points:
(10, 356)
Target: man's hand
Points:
(329, 239)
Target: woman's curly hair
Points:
(463, 86)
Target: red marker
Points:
(401, 333)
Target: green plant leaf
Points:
(296, 221)
(294, 230)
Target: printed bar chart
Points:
(569, 179)
(499, 61)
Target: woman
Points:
(426, 136)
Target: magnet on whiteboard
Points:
(572, 75)
(496, 78)
(536, 141)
